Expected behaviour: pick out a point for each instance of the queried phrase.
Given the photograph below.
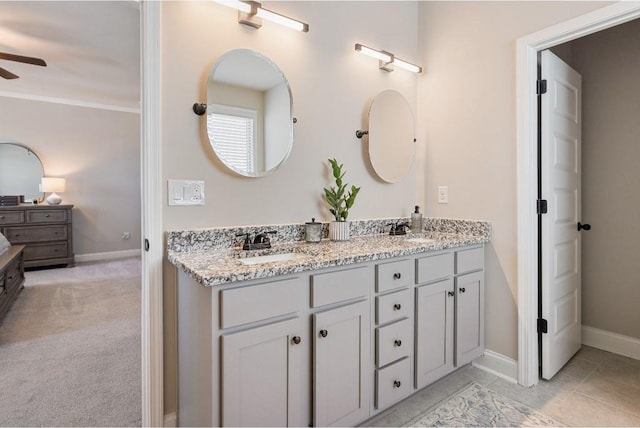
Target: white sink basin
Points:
(420, 240)
(271, 258)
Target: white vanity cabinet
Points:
(469, 298)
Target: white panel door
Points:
(560, 186)
(469, 318)
(261, 375)
(341, 369)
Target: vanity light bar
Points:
(387, 59)
(251, 13)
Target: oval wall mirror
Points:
(391, 136)
(249, 119)
(20, 172)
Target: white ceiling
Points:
(92, 50)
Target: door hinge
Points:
(541, 206)
(542, 325)
(541, 86)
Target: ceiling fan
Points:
(18, 58)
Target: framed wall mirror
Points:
(20, 172)
(391, 136)
(249, 113)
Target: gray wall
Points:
(98, 152)
(609, 62)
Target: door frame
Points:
(527, 186)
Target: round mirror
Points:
(249, 121)
(20, 172)
(391, 136)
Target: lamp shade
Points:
(51, 184)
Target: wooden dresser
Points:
(11, 277)
(44, 230)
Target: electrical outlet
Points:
(185, 192)
(443, 194)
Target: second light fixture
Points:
(387, 59)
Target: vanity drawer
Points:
(36, 234)
(11, 217)
(334, 287)
(393, 342)
(393, 306)
(469, 260)
(394, 275)
(393, 383)
(47, 216)
(434, 267)
(244, 305)
(45, 251)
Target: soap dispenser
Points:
(416, 221)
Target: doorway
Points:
(527, 122)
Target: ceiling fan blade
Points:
(25, 59)
(7, 74)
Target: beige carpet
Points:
(70, 348)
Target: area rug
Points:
(477, 406)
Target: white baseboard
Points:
(612, 342)
(110, 255)
(170, 419)
(498, 364)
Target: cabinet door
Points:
(261, 376)
(434, 331)
(341, 371)
(469, 317)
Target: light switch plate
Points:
(443, 194)
(185, 192)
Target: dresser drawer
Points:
(393, 383)
(393, 342)
(19, 235)
(393, 306)
(46, 251)
(469, 260)
(14, 275)
(394, 275)
(11, 217)
(47, 216)
(334, 287)
(244, 305)
(434, 267)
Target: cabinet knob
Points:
(323, 333)
(397, 275)
(397, 306)
(451, 293)
(462, 289)
(296, 340)
(397, 343)
(397, 384)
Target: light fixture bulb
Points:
(282, 20)
(235, 4)
(407, 65)
(373, 53)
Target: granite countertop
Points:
(223, 266)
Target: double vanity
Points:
(323, 334)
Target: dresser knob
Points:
(397, 384)
(397, 343)
(397, 306)
(397, 275)
(296, 340)
(323, 333)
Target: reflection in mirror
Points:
(249, 121)
(391, 136)
(20, 171)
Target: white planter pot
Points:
(339, 230)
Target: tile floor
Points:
(596, 388)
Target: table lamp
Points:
(53, 185)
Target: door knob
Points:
(451, 293)
(296, 340)
(462, 289)
(323, 333)
(585, 226)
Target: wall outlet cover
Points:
(185, 192)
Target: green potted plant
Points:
(340, 202)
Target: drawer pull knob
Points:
(323, 333)
(397, 343)
(462, 290)
(451, 293)
(397, 306)
(397, 275)
(296, 340)
(46, 215)
(397, 384)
